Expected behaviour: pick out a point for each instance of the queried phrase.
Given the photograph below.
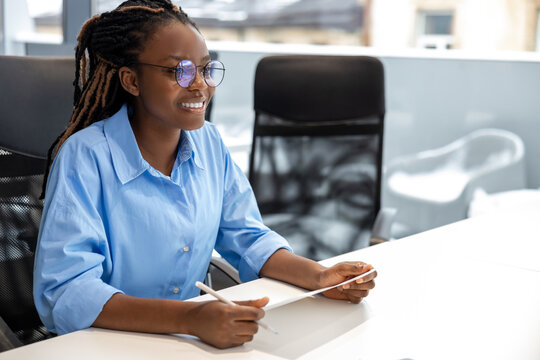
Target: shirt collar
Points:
(188, 149)
(126, 157)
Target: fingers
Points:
(354, 296)
(246, 313)
(362, 285)
(223, 325)
(369, 277)
(357, 290)
(258, 303)
(352, 268)
(250, 309)
(242, 339)
(246, 328)
(243, 326)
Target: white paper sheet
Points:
(314, 292)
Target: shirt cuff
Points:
(80, 304)
(258, 253)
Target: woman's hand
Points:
(286, 266)
(223, 325)
(354, 291)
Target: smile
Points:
(194, 105)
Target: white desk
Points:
(469, 290)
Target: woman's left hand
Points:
(354, 291)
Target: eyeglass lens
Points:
(186, 71)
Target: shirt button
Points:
(186, 248)
(176, 290)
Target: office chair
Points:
(440, 183)
(208, 114)
(315, 163)
(35, 105)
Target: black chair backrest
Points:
(208, 114)
(307, 88)
(35, 106)
(318, 136)
(36, 100)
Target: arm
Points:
(213, 322)
(243, 240)
(130, 313)
(285, 266)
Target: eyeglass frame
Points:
(178, 68)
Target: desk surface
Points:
(470, 290)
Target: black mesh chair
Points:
(35, 106)
(316, 155)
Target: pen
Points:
(220, 297)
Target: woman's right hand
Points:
(223, 325)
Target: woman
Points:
(142, 189)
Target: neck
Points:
(158, 145)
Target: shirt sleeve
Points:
(243, 240)
(72, 249)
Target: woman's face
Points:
(159, 98)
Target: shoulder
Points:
(88, 138)
(81, 156)
(88, 142)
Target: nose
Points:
(198, 82)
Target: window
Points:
(434, 29)
(280, 21)
(46, 16)
(437, 24)
(537, 47)
(30, 22)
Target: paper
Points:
(314, 292)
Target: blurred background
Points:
(451, 66)
(486, 25)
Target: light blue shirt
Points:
(112, 223)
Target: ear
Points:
(129, 80)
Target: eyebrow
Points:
(178, 58)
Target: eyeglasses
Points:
(186, 72)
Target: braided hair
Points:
(106, 43)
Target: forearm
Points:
(129, 313)
(286, 266)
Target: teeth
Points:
(193, 105)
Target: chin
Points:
(194, 125)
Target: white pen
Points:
(220, 297)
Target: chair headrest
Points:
(320, 88)
(36, 102)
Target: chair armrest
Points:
(382, 227)
(226, 268)
(8, 340)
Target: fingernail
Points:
(346, 286)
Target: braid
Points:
(106, 43)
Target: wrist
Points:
(187, 317)
(319, 278)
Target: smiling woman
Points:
(141, 190)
